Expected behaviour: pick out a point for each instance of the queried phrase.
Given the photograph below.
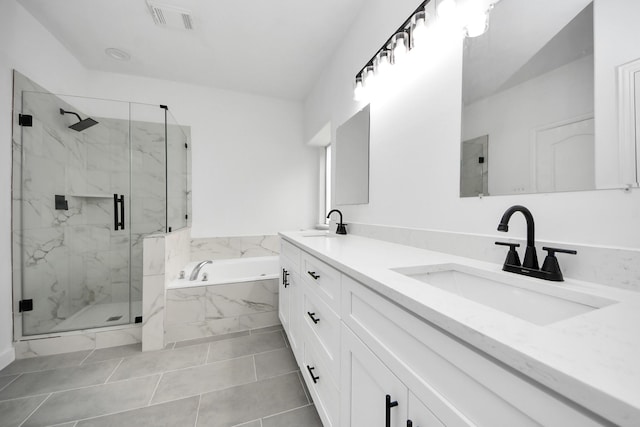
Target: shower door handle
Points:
(118, 220)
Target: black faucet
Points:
(550, 268)
(530, 255)
(341, 229)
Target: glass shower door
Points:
(74, 217)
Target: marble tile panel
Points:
(248, 402)
(241, 298)
(119, 337)
(153, 255)
(110, 353)
(306, 416)
(62, 407)
(185, 305)
(44, 382)
(204, 378)
(256, 246)
(63, 346)
(160, 361)
(189, 331)
(181, 412)
(153, 312)
(274, 363)
(244, 346)
(215, 248)
(14, 412)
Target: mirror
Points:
(528, 107)
(352, 160)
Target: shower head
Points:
(82, 124)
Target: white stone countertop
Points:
(592, 359)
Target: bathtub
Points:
(239, 294)
(234, 270)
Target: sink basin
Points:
(528, 299)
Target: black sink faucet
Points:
(341, 229)
(550, 268)
(530, 255)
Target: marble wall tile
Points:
(187, 331)
(153, 312)
(153, 255)
(185, 305)
(617, 267)
(55, 345)
(234, 247)
(236, 299)
(118, 337)
(177, 251)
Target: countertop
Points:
(592, 359)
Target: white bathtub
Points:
(226, 271)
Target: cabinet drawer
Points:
(324, 280)
(291, 253)
(322, 326)
(458, 383)
(323, 391)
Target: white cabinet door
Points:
(371, 395)
(419, 415)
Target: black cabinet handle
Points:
(313, 377)
(285, 274)
(409, 423)
(122, 212)
(116, 223)
(314, 275)
(388, 405)
(311, 315)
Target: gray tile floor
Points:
(247, 379)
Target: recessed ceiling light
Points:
(117, 54)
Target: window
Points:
(327, 180)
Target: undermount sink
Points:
(528, 299)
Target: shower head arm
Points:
(63, 112)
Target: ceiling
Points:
(273, 48)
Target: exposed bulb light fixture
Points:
(470, 15)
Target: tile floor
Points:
(247, 379)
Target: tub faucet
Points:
(530, 256)
(341, 229)
(196, 270)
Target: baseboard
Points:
(6, 357)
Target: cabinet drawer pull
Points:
(388, 405)
(314, 275)
(409, 423)
(285, 275)
(312, 316)
(313, 377)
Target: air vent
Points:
(169, 16)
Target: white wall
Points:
(252, 174)
(415, 140)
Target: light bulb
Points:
(359, 92)
(369, 78)
(419, 29)
(400, 47)
(383, 63)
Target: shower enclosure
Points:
(91, 179)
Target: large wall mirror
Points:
(352, 160)
(528, 107)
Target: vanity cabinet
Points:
(355, 347)
(289, 293)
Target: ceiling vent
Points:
(170, 16)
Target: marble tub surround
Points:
(203, 311)
(234, 247)
(617, 267)
(590, 359)
(164, 256)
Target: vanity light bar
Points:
(404, 34)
